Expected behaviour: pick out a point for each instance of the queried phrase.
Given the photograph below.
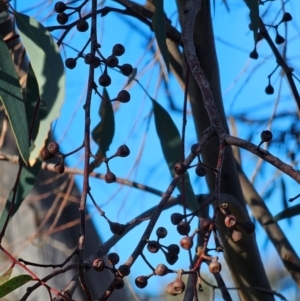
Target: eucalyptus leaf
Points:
(48, 68)
(12, 99)
(13, 284)
(6, 275)
(171, 146)
(159, 28)
(104, 131)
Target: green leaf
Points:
(12, 99)
(27, 180)
(171, 146)
(287, 213)
(159, 28)
(104, 131)
(48, 68)
(13, 284)
(254, 16)
(4, 277)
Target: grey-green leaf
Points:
(159, 28)
(27, 180)
(13, 284)
(48, 68)
(104, 131)
(12, 99)
(253, 6)
(6, 275)
(171, 146)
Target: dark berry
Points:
(113, 258)
(269, 89)
(60, 7)
(70, 63)
(126, 69)
(183, 228)
(82, 25)
(118, 283)
(279, 39)
(171, 258)
(96, 62)
(112, 61)
(161, 232)
(117, 228)
(89, 58)
(123, 96)
(266, 136)
(124, 270)
(286, 17)
(201, 170)
(141, 281)
(176, 218)
(253, 54)
(62, 18)
(118, 50)
(123, 151)
(180, 168)
(153, 246)
(173, 249)
(110, 177)
(104, 80)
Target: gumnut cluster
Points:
(52, 151)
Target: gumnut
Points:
(195, 149)
(123, 151)
(110, 177)
(60, 7)
(62, 18)
(201, 170)
(118, 50)
(113, 258)
(215, 267)
(117, 228)
(118, 283)
(286, 17)
(98, 265)
(171, 258)
(253, 54)
(176, 287)
(104, 80)
(123, 96)
(89, 58)
(230, 221)
(205, 224)
(180, 168)
(248, 227)
(70, 63)
(162, 270)
(279, 39)
(141, 281)
(173, 249)
(176, 218)
(183, 228)
(82, 25)
(161, 232)
(186, 242)
(112, 61)
(153, 246)
(53, 147)
(124, 270)
(269, 89)
(266, 136)
(126, 69)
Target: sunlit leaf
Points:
(171, 146)
(48, 68)
(27, 180)
(159, 28)
(13, 284)
(104, 131)
(287, 213)
(12, 99)
(253, 6)
(6, 275)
